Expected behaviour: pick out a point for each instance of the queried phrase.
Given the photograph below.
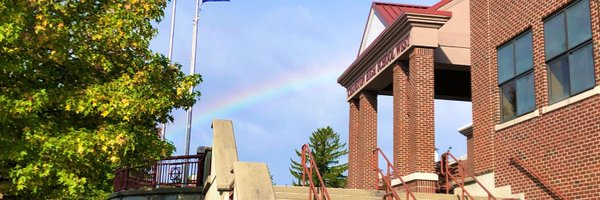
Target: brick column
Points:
(401, 132)
(483, 75)
(353, 141)
(421, 166)
(368, 138)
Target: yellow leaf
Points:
(114, 159)
(80, 149)
(39, 28)
(125, 102)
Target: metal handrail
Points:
(516, 160)
(168, 171)
(449, 177)
(386, 179)
(308, 171)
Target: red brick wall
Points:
(401, 131)
(563, 145)
(482, 88)
(420, 186)
(367, 139)
(353, 159)
(420, 107)
(469, 162)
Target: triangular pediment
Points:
(373, 28)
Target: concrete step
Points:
(332, 191)
(301, 193)
(304, 196)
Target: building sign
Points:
(379, 66)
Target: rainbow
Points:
(246, 97)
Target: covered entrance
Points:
(415, 54)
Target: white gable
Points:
(374, 27)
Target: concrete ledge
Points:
(466, 130)
(155, 192)
(224, 155)
(531, 115)
(252, 181)
(550, 108)
(571, 100)
(418, 176)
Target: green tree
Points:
(81, 94)
(327, 149)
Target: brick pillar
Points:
(368, 138)
(421, 120)
(485, 98)
(353, 141)
(401, 133)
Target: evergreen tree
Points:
(81, 94)
(326, 148)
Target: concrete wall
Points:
(454, 38)
(224, 155)
(247, 181)
(159, 194)
(252, 181)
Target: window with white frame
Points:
(515, 77)
(568, 49)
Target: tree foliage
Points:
(81, 94)
(327, 149)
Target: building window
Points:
(569, 56)
(515, 77)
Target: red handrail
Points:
(308, 171)
(386, 179)
(543, 181)
(449, 177)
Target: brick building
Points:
(535, 71)
(530, 68)
(415, 54)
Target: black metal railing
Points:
(175, 171)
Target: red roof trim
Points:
(440, 4)
(427, 11)
(401, 5)
(403, 8)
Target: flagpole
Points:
(192, 71)
(164, 125)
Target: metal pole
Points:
(164, 125)
(192, 71)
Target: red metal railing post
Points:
(540, 179)
(387, 181)
(127, 179)
(374, 159)
(313, 166)
(462, 177)
(153, 176)
(455, 179)
(444, 167)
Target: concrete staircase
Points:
(488, 180)
(301, 193)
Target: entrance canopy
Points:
(393, 30)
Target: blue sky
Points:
(271, 67)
